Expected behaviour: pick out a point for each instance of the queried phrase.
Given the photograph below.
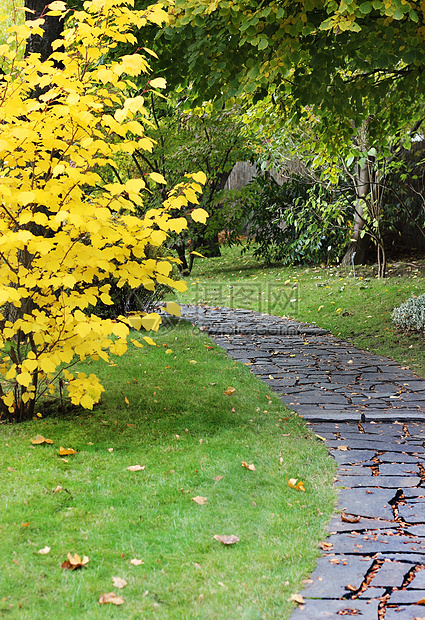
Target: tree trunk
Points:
(52, 29)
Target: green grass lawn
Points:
(353, 307)
(164, 409)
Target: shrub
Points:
(410, 315)
(63, 229)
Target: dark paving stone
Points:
(352, 457)
(372, 505)
(391, 575)
(365, 544)
(372, 593)
(387, 482)
(410, 558)
(398, 457)
(414, 494)
(408, 597)
(412, 513)
(354, 470)
(398, 469)
(336, 525)
(418, 581)
(412, 612)
(330, 579)
(417, 530)
(332, 610)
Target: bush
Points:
(410, 315)
(297, 222)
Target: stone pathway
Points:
(371, 414)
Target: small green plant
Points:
(410, 315)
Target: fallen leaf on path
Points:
(136, 467)
(421, 602)
(349, 518)
(325, 546)
(297, 598)
(118, 582)
(136, 562)
(74, 561)
(351, 588)
(229, 391)
(66, 451)
(294, 484)
(44, 551)
(343, 448)
(112, 598)
(200, 500)
(320, 437)
(227, 540)
(250, 467)
(40, 439)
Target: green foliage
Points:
(297, 222)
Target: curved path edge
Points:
(370, 412)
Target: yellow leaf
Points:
(297, 598)
(110, 597)
(137, 343)
(229, 391)
(24, 379)
(227, 540)
(198, 254)
(158, 178)
(173, 308)
(199, 177)
(158, 83)
(151, 322)
(135, 322)
(199, 215)
(39, 439)
(119, 582)
(66, 451)
(149, 341)
(200, 500)
(294, 484)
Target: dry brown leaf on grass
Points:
(110, 597)
(11, 469)
(40, 439)
(74, 561)
(200, 500)
(136, 562)
(247, 466)
(136, 467)
(118, 582)
(294, 484)
(44, 551)
(218, 478)
(227, 540)
(297, 598)
(229, 390)
(66, 451)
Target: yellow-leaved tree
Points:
(62, 228)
